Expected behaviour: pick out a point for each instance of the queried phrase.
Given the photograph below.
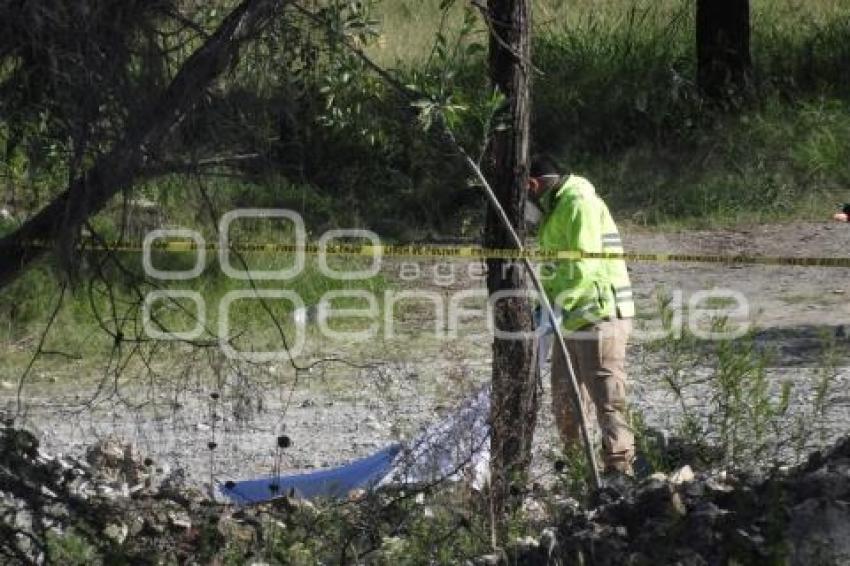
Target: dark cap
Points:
(542, 165)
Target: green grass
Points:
(70, 549)
(81, 340)
(773, 163)
(25, 306)
(615, 99)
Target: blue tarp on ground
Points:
(333, 483)
(454, 448)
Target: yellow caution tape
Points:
(466, 252)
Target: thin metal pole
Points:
(547, 305)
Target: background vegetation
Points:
(614, 97)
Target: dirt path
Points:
(778, 297)
(337, 412)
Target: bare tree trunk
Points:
(117, 169)
(514, 398)
(723, 46)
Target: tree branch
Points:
(117, 169)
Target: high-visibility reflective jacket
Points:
(589, 289)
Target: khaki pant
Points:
(598, 354)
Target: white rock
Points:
(116, 532)
(715, 484)
(180, 520)
(682, 475)
(534, 509)
(621, 531)
(107, 491)
(568, 503)
(489, 560)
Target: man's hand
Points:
(542, 321)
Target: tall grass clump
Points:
(810, 429)
(609, 79)
(727, 396)
(779, 161)
(803, 46)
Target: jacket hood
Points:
(573, 184)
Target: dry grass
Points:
(409, 26)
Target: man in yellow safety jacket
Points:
(595, 298)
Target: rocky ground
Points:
(796, 517)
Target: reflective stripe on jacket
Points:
(588, 289)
